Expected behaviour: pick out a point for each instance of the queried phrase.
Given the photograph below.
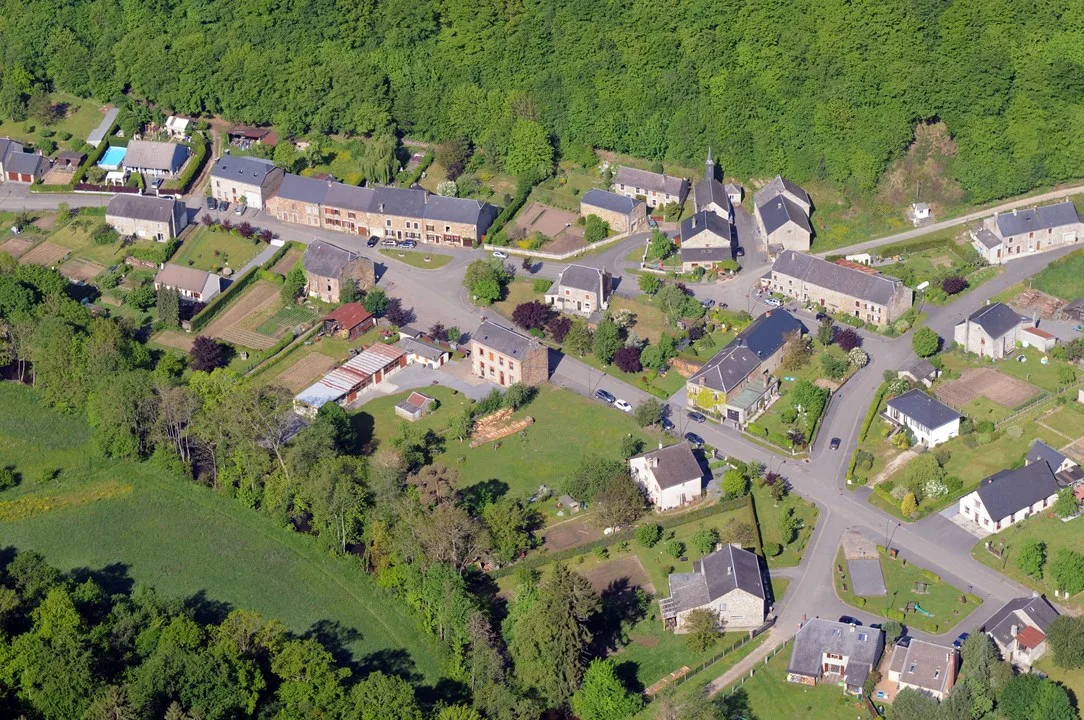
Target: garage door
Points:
(252, 199)
(1069, 237)
(26, 177)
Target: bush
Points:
(541, 286)
(859, 601)
(8, 477)
(675, 548)
(772, 549)
(142, 297)
(649, 535)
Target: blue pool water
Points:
(112, 158)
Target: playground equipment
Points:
(920, 611)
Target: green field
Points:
(768, 514)
(212, 250)
(940, 598)
(416, 258)
(82, 117)
(1063, 278)
(186, 541)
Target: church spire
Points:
(709, 166)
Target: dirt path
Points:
(893, 465)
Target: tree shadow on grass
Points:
(623, 605)
(477, 496)
(390, 661)
(335, 637)
(205, 610)
(445, 692)
(113, 579)
(734, 706)
(364, 426)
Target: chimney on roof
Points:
(852, 627)
(381, 207)
(660, 446)
(1014, 630)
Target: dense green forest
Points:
(814, 88)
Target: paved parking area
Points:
(953, 515)
(866, 577)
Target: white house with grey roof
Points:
(19, 166)
(670, 476)
(931, 421)
(581, 290)
(1019, 629)
(728, 582)
(923, 666)
(155, 159)
(147, 217)
(250, 180)
(622, 213)
(653, 188)
(1009, 496)
(1021, 232)
(864, 294)
(992, 331)
(834, 652)
(782, 215)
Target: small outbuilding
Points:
(414, 406)
(349, 321)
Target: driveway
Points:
(419, 377)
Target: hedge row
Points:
(523, 189)
(92, 158)
(540, 559)
(281, 253)
(204, 316)
(871, 415)
(415, 176)
(196, 164)
(909, 246)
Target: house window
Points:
(936, 674)
(500, 361)
(387, 223)
(862, 637)
(415, 226)
(511, 365)
(447, 228)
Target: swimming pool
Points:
(112, 158)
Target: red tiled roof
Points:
(418, 400)
(350, 315)
(857, 266)
(1041, 333)
(1030, 637)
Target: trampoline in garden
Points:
(113, 158)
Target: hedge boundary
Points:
(202, 150)
(867, 423)
(281, 253)
(508, 213)
(204, 316)
(416, 175)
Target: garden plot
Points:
(231, 325)
(990, 384)
(287, 262)
(622, 574)
(80, 270)
(17, 247)
(47, 254)
(175, 339)
(305, 371)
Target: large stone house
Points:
(19, 166)
(923, 666)
(670, 476)
(581, 290)
(737, 384)
(328, 266)
(1011, 235)
(710, 195)
(1009, 496)
(727, 581)
(155, 159)
(147, 217)
(706, 239)
(1019, 629)
(654, 188)
(506, 357)
(191, 284)
(834, 652)
(250, 180)
(346, 383)
(866, 295)
(931, 421)
(622, 213)
(396, 213)
(782, 216)
(991, 331)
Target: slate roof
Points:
(922, 369)
(708, 191)
(1034, 611)
(647, 180)
(185, 278)
(769, 331)
(423, 349)
(705, 254)
(145, 207)
(1037, 218)
(1041, 452)
(155, 155)
(779, 186)
(705, 221)
(584, 278)
(504, 340)
(744, 354)
(676, 465)
(996, 319)
(780, 210)
(988, 239)
(327, 260)
(821, 273)
(1009, 491)
(820, 636)
(302, 189)
(933, 664)
(713, 577)
(24, 162)
(923, 409)
(609, 201)
(251, 170)
(8, 145)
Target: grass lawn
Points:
(1063, 278)
(566, 187)
(137, 523)
(705, 348)
(941, 599)
(82, 116)
(982, 408)
(1073, 680)
(418, 259)
(287, 317)
(650, 322)
(76, 235)
(517, 292)
(1033, 371)
(1068, 420)
(768, 514)
(779, 588)
(521, 465)
(211, 250)
(767, 695)
(1045, 527)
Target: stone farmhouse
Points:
(250, 180)
(19, 166)
(155, 159)
(622, 213)
(191, 284)
(397, 213)
(506, 357)
(706, 239)
(654, 188)
(670, 476)
(931, 421)
(782, 216)
(834, 652)
(328, 266)
(923, 666)
(991, 331)
(709, 194)
(147, 217)
(1019, 629)
(727, 581)
(868, 296)
(1010, 235)
(581, 290)
(737, 383)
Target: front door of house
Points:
(502, 377)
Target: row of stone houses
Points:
(1010, 235)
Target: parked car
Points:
(224, 205)
(604, 396)
(848, 620)
(212, 204)
(667, 424)
(409, 244)
(695, 439)
(774, 302)
(959, 641)
(834, 444)
(740, 252)
(723, 306)
(821, 316)
(389, 242)
(622, 405)
(695, 417)
(500, 254)
(707, 303)
(240, 210)
(373, 241)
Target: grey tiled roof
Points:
(327, 260)
(647, 180)
(1041, 452)
(145, 207)
(609, 201)
(996, 319)
(848, 281)
(24, 162)
(1037, 218)
(676, 465)
(1009, 491)
(708, 191)
(923, 409)
(584, 278)
(744, 354)
(769, 331)
(347, 197)
(778, 186)
(705, 254)
(713, 577)
(303, 189)
(705, 221)
(422, 348)
(861, 645)
(988, 239)
(155, 155)
(1020, 612)
(780, 210)
(922, 369)
(933, 664)
(504, 340)
(250, 170)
